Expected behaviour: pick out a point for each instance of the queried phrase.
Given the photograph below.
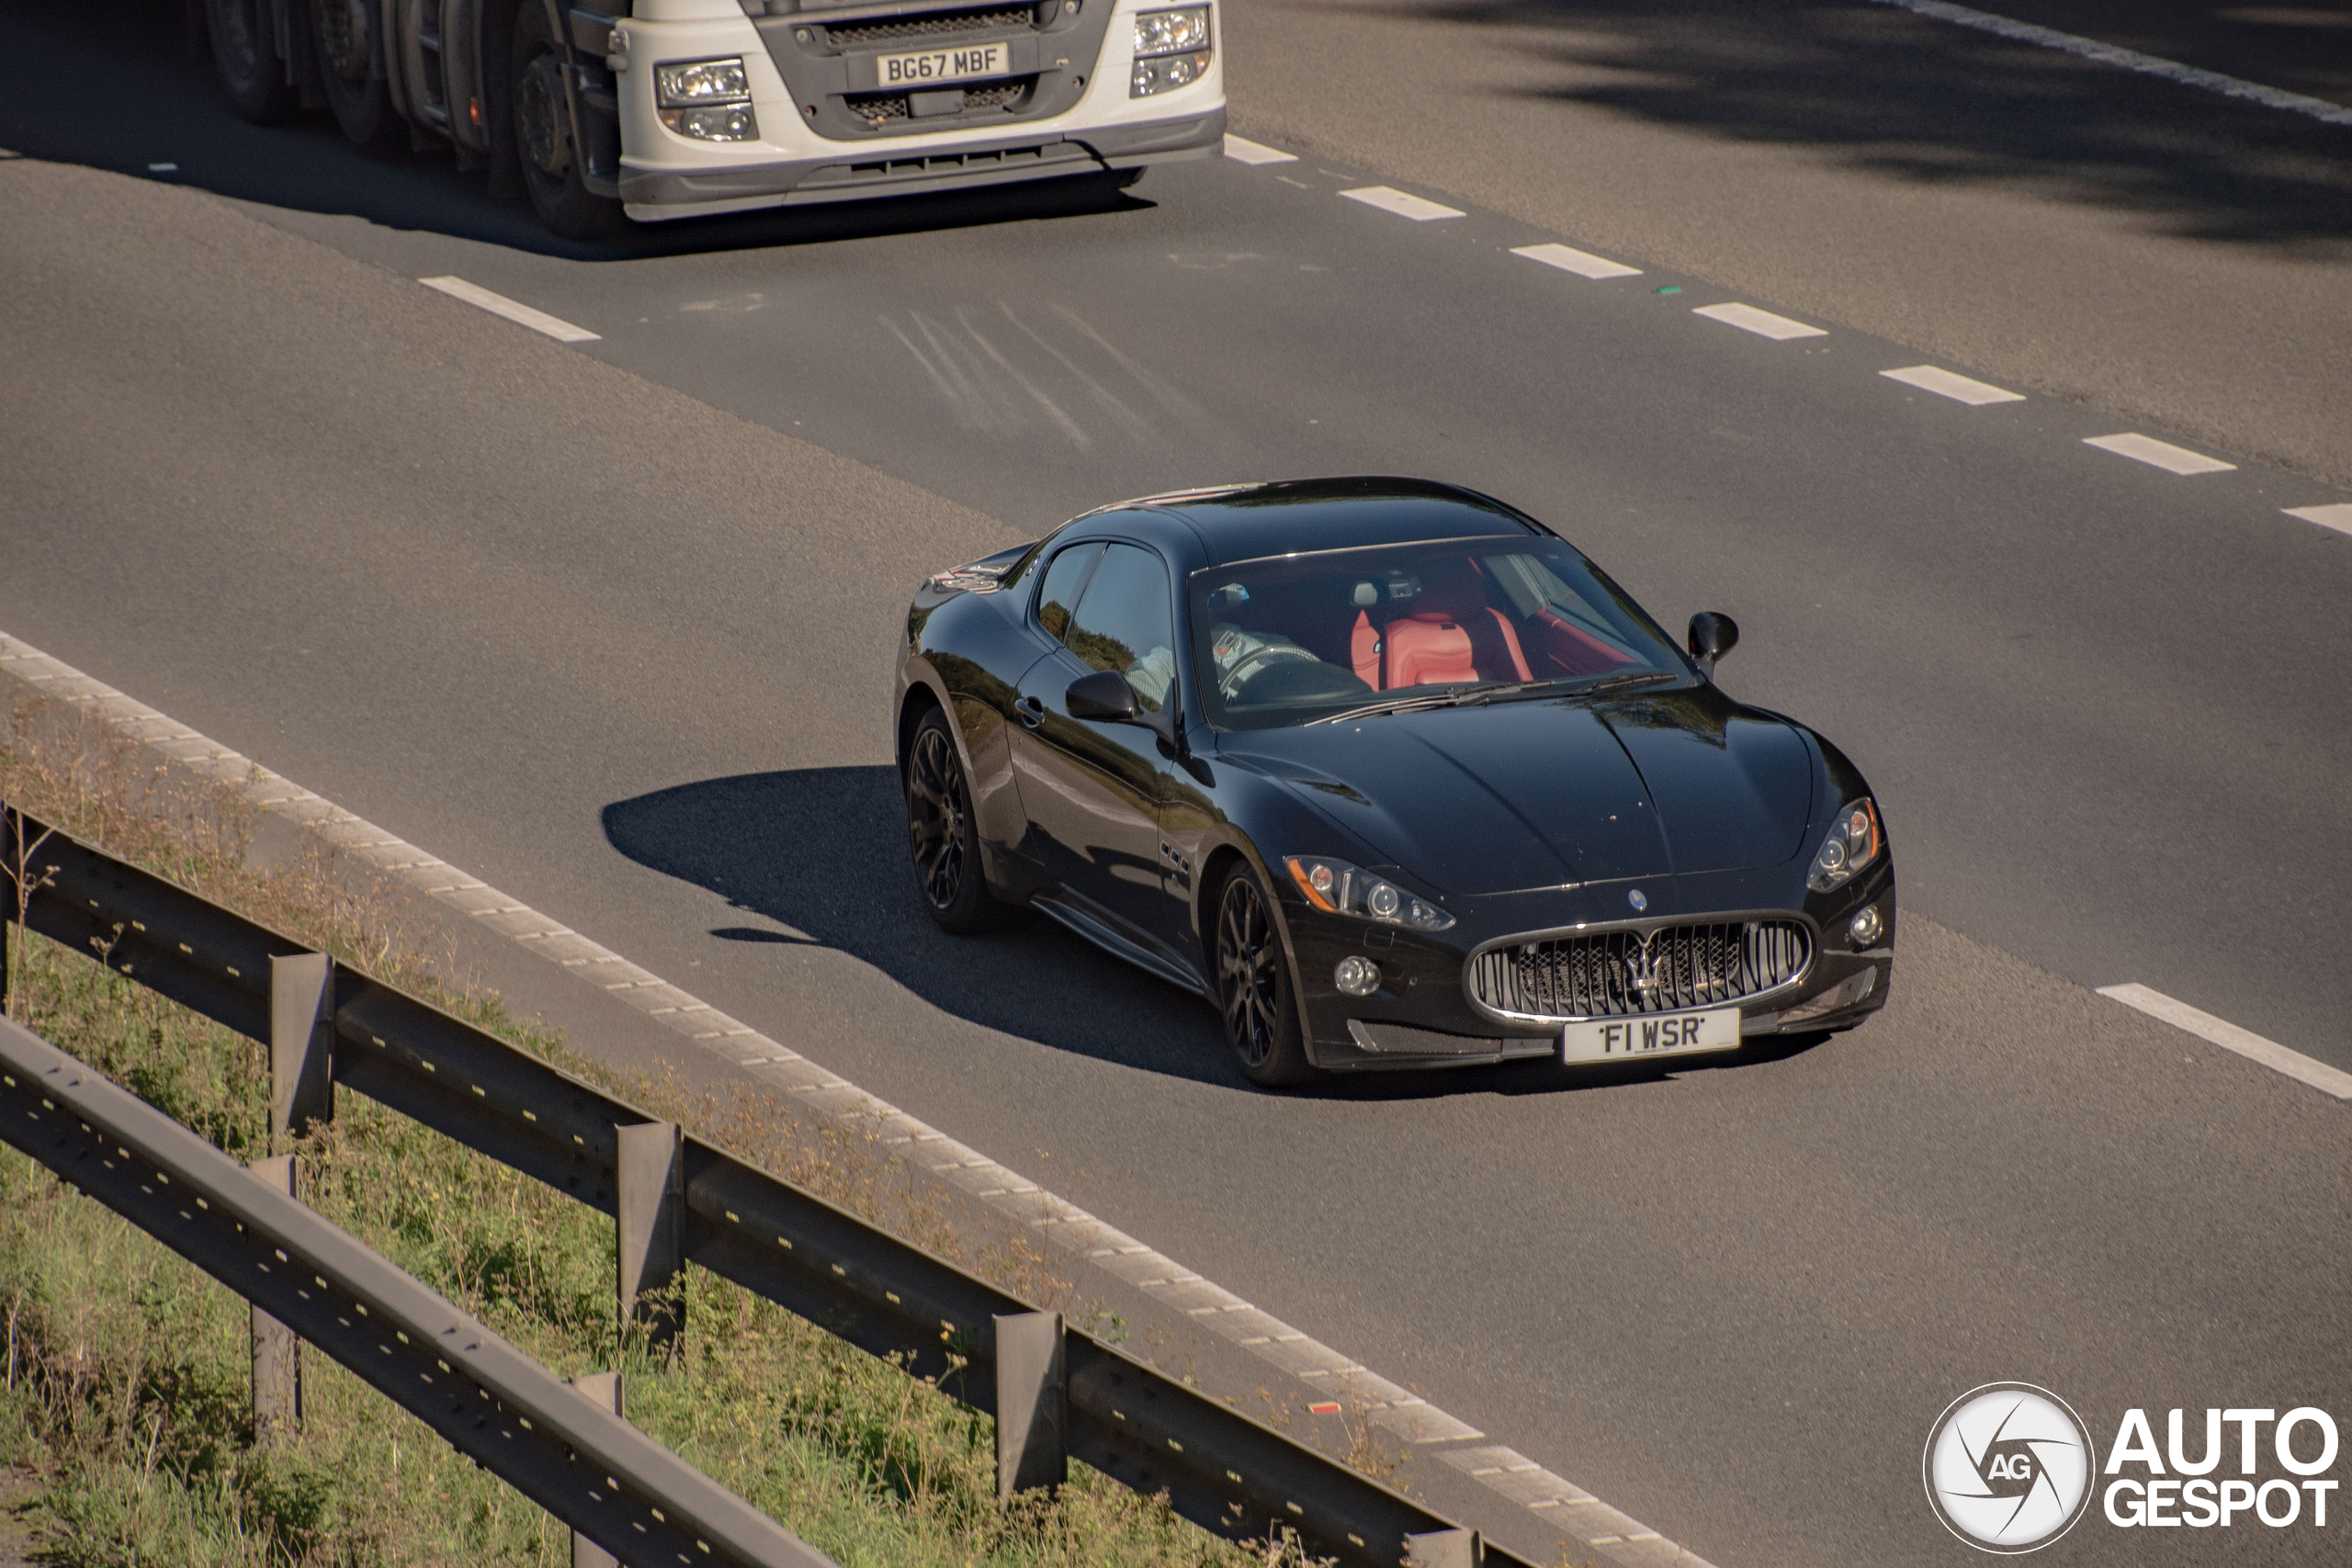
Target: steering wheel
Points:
(1230, 682)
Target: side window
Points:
(1125, 624)
(1064, 578)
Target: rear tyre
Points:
(245, 57)
(549, 155)
(1253, 990)
(345, 34)
(945, 838)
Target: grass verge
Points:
(125, 1392)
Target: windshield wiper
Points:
(1500, 691)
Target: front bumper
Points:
(1423, 1015)
(652, 195)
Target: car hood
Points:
(1550, 793)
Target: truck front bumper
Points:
(871, 170)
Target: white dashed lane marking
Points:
(1584, 264)
(2158, 454)
(1402, 205)
(1241, 149)
(513, 310)
(2131, 59)
(2338, 516)
(2230, 1037)
(1959, 388)
(1763, 323)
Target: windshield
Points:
(1293, 638)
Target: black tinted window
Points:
(1124, 622)
(1064, 578)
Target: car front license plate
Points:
(928, 65)
(1651, 1035)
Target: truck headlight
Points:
(708, 100)
(1172, 50)
(1853, 843)
(1338, 888)
(682, 84)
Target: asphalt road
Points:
(609, 625)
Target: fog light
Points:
(1356, 977)
(719, 122)
(1864, 927)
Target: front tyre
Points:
(550, 156)
(1253, 989)
(943, 836)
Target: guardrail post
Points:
(278, 1355)
(301, 1043)
(1032, 1402)
(604, 1390)
(1445, 1549)
(652, 1240)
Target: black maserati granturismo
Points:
(1392, 776)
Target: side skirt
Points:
(1068, 908)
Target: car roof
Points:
(1244, 521)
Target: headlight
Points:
(717, 122)
(1172, 50)
(1853, 844)
(688, 82)
(1338, 888)
(1172, 32)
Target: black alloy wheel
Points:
(345, 34)
(1253, 989)
(943, 835)
(245, 57)
(549, 153)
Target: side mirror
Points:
(1713, 635)
(1104, 694)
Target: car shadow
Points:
(50, 51)
(822, 852)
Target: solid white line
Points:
(1763, 323)
(2337, 516)
(2230, 1037)
(2129, 60)
(2160, 454)
(1241, 149)
(1584, 264)
(1959, 388)
(1397, 202)
(513, 310)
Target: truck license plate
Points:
(928, 65)
(1651, 1035)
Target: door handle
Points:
(1031, 711)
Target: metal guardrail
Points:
(889, 1297)
(494, 1404)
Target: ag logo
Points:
(2009, 1467)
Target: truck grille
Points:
(852, 34)
(1666, 970)
(876, 108)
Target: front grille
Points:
(879, 108)
(852, 34)
(1666, 970)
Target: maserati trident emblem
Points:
(1638, 899)
(1641, 970)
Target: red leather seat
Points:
(1453, 635)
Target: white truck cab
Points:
(674, 109)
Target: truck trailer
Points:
(656, 110)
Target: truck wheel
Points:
(245, 56)
(362, 101)
(543, 135)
